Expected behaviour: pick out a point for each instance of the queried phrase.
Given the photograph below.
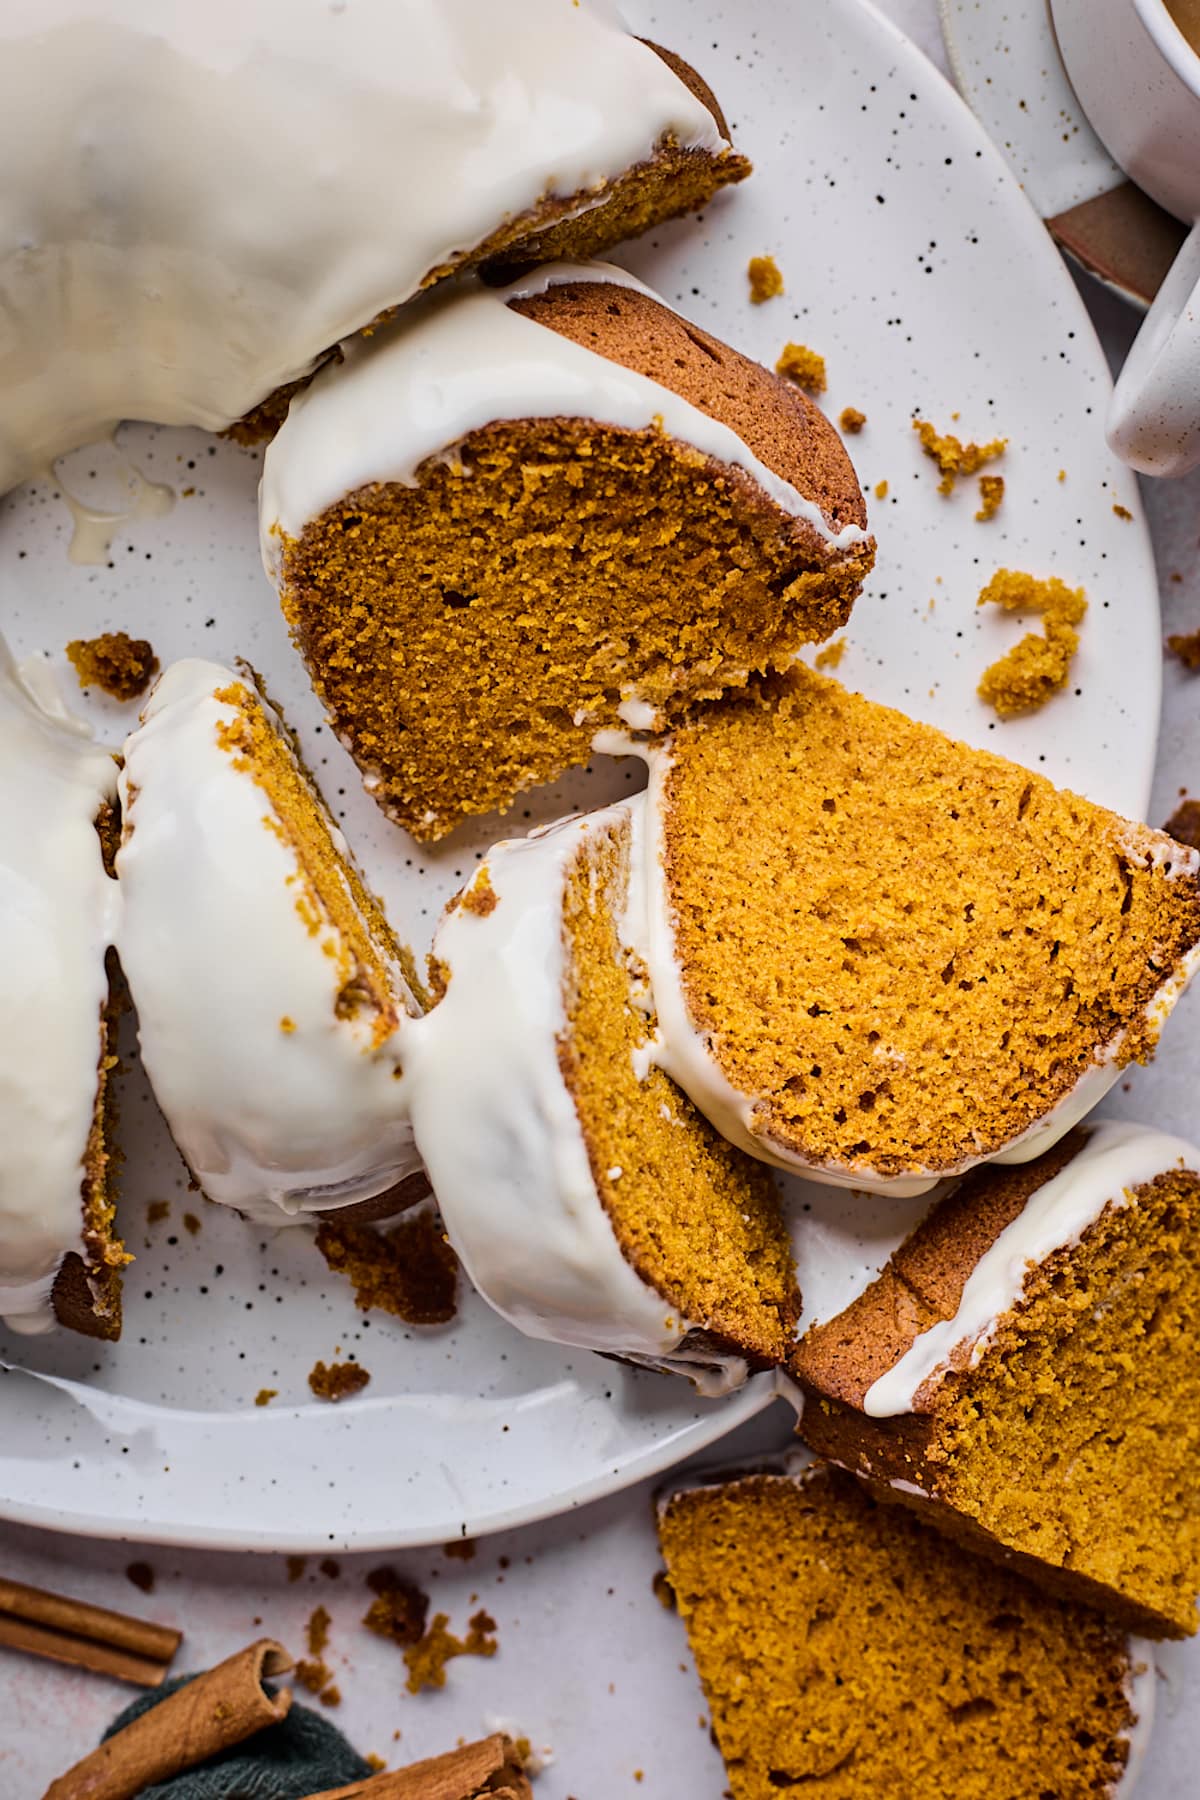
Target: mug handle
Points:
(1154, 418)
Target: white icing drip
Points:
(456, 361)
(59, 909)
(212, 196)
(1117, 1159)
(499, 1131)
(277, 1122)
(638, 714)
(1141, 1685)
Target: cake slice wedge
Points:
(846, 1650)
(273, 998)
(880, 956)
(589, 1201)
(60, 1255)
(1023, 1372)
(525, 515)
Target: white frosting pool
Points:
(59, 911)
(500, 1135)
(280, 1107)
(1117, 1159)
(213, 195)
(458, 360)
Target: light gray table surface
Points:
(589, 1664)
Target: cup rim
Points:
(1168, 39)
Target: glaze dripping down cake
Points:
(272, 997)
(1023, 1372)
(880, 956)
(588, 1200)
(526, 516)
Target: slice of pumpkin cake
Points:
(524, 515)
(880, 956)
(1024, 1372)
(60, 1256)
(272, 997)
(589, 1201)
(846, 1649)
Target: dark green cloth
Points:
(301, 1755)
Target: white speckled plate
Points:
(916, 265)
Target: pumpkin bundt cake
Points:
(272, 997)
(1024, 1372)
(524, 516)
(60, 1257)
(587, 1199)
(212, 197)
(881, 956)
(847, 1650)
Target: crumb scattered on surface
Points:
(991, 493)
(118, 664)
(331, 1695)
(141, 1575)
(1186, 646)
(1026, 676)
(336, 1381)
(296, 1566)
(664, 1593)
(426, 1661)
(157, 1211)
(399, 1609)
(851, 420)
(376, 1763)
(803, 366)
(881, 490)
(191, 1223)
(765, 280)
(952, 456)
(409, 1271)
(461, 1548)
(317, 1630)
(330, 1567)
(1122, 512)
(1184, 824)
(1062, 474)
(312, 1671)
(830, 655)
(265, 1396)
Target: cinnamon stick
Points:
(88, 1637)
(211, 1714)
(488, 1770)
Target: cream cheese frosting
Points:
(59, 910)
(213, 196)
(1115, 1161)
(280, 1106)
(458, 360)
(500, 1134)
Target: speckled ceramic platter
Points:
(1005, 59)
(915, 264)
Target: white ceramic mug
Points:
(1138, 81)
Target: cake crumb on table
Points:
(1186, 647)
(141, 1575)
(1184, 824)
(462, 1548)
(952, 456)
(426, 1660)
(991, 493)
(119, 665)
(803, 366)
(157, 1211)
(1122, 512)
(830, 655)
(399, 1609)
(765, 280)
(1029, 674)
(265, 1396)
(335, 1381)
(880, 490)
(850, 420)
(295, 1567)
(409, 1271)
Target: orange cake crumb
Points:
(831, 655)
(295, 1567)
(881, 490)
(462, 1549)
(265, 1396)
(765, 280)
(952, 456)
(191, 1223)
(480, 897)
(991, 493)
(1026, 676)
(118, 664)
(317, 1630)
(426, 1661)
(335, 1381)
(1122, 512)
(851, 420)
(1186, 646)
(803, 366)
(399, 1609)
(409, 1271)
(157, 1211)
(1184, 823)
(141, 1575)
